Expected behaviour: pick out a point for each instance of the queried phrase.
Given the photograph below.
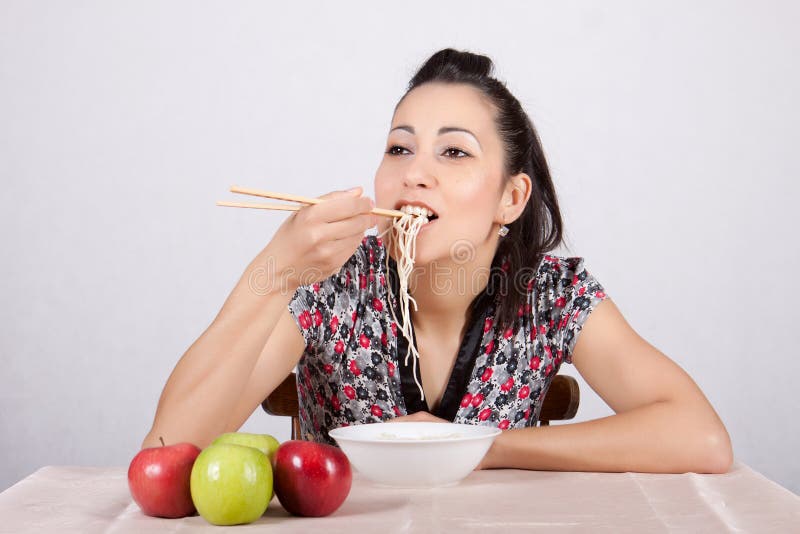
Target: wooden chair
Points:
(560, 403)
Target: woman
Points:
(495, 316)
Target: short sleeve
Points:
(308, 309)
(580, 295)
(319, 309)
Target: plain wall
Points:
(671, 129)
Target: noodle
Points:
(404, 232)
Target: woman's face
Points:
(444, 152)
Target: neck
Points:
(444, 292)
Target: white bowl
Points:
(415, 454)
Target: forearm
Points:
(663, 437)
(207, 381)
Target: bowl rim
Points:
(491, 433)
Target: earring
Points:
(503, 231)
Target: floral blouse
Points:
(353, 368)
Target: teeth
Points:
(419, 211)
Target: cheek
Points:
(384, 187)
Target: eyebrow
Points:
(443, 130)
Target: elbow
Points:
(717, 453)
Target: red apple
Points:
(311, 479)
(158, 479)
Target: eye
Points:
(397, 150)
(455, 153)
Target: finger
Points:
(348, 228)
(340, 208)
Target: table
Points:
(96, 499)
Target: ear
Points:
(515, 197)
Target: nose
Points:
(418, 176)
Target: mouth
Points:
(418, 209)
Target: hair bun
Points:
(450, 64)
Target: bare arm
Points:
(253, 342)
(206, 384)
(663, 422)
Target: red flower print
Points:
(535, 363)
(487, 324)
(377, 304)
(335, 402)
(548, 369)
(317, 318)
(328, 368)
(371, 274)
(349, 279)
(560, 354)
(582, 290)
(527, 413)
(384, 339)
(396, 411)
(383, 280)
(339, 347)
(394, 329)
(575, 280)
(305, 320)
(490, 346)
(508, 333)
(485, 414)
(504, 424)
(379, 241)
(599, 294)
(560, 302)
(334, 324)
(576, 314)
(354, 368)
(477, 399)
(390, 366)
(363, 340)
(376, 411)
(508, 384)
(320, 400)
(520, 311)
(362, 281)
(543, 329)
(354, 316)
(487, 374)
(549, 351)
(563, 322)
(350, 392)
(466, 400)
(524, 391)
(315, 287)
(371, 256)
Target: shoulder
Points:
(560, 279)
(561, 271)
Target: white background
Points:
(671, 129)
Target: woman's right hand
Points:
(315, 241)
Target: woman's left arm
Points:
(662, 424)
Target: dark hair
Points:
(539, 228)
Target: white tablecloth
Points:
(94, 499)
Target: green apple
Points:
(264, 442)
(231, 484)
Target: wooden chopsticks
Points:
(289, 198)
